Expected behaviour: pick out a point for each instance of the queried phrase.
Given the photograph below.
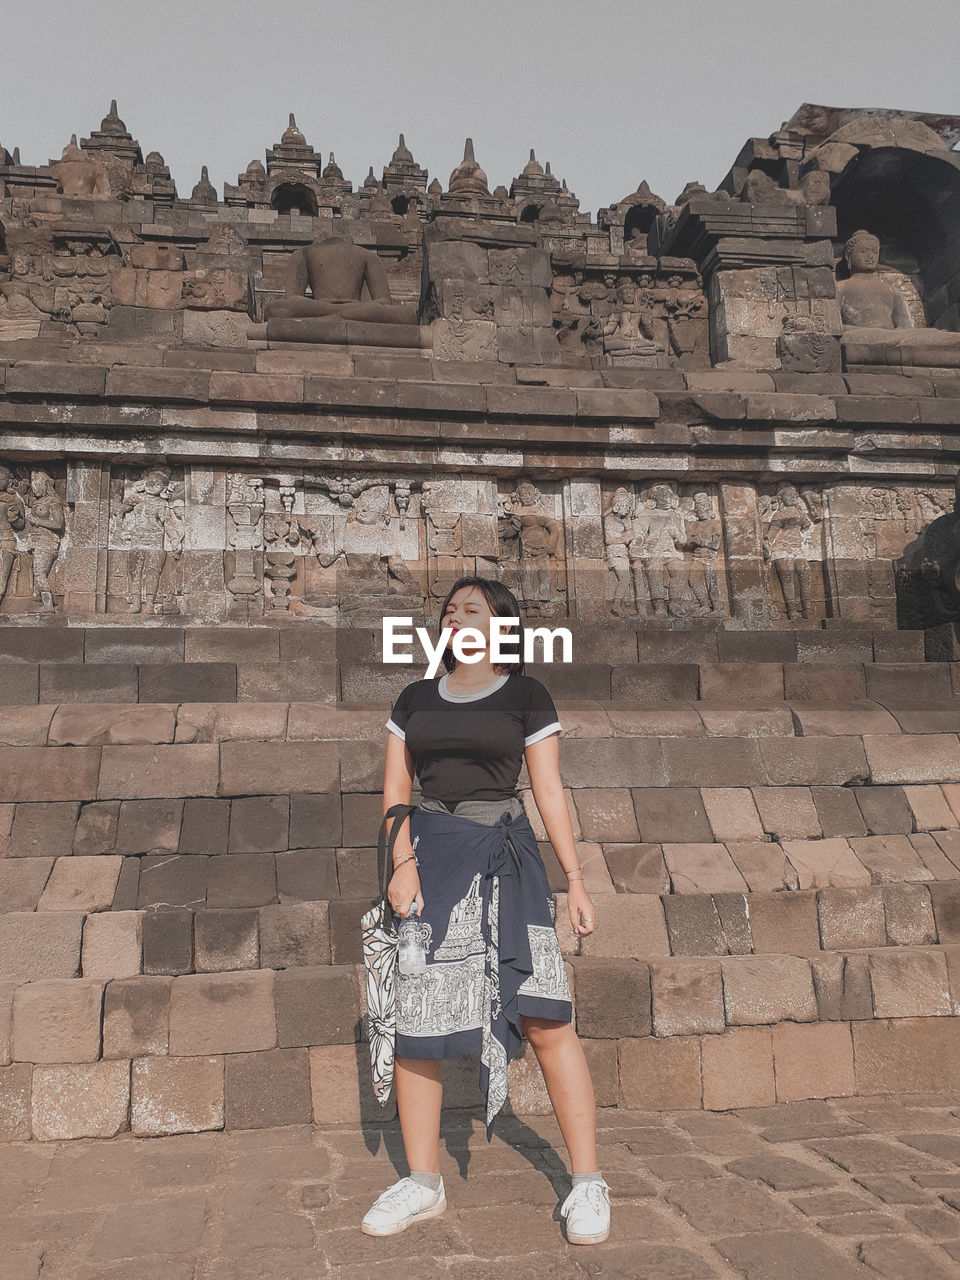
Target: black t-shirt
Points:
(470, 746)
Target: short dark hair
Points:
(502, 603)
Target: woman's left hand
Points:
(583, 916)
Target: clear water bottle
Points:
(412, 953)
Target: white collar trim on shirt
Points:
(500, 681)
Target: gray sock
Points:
(431, 1180)
(586, 1177)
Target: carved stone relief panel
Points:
(640, 317)
(34, 517)
(870, 528)
(532, 550)
(792, 532)
(664, 551)
(145, 545)
(206, 543)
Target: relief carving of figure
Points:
(785, 545)
(704, 536)
(12, 520)
(438, 505)
(629, 329)
(152, 528)
(45, 523)
(538, 540)
(626, 331)
(659, 537)
(617, 534)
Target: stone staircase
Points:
(769, 825)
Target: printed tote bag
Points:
(380, 944)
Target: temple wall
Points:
(687, 414)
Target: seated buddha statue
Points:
(878, 327)
(336, 272)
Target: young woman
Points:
(468, 858)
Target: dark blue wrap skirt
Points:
(492, 949)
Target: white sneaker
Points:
(405, 1202)
(587, 1212)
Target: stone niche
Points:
(199, 543)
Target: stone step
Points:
(25, 683)
(91, 1057)
(175, 865)
(78, 753)
(612, 641)
(61, 937)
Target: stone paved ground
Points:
(801, 1191)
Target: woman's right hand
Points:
(404, 888)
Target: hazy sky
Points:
(609, 92)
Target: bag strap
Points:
(400, 813)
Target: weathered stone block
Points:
(606, 813)
(112, 944)
(787, 813)
(671, 814)
(687, 997)
(909, 912)
(661, 1075)
(711, 763)
(785, 923)
(890, 859)
(225, 940)
(255, 768)
(214, 1013)
(732, 813)
(613, 997)
(15, 1087)
(176, 1095)
(81, 884)
(767, 989)
(627, 925)
(805, 761)
(80, 1100)
(738, 1069)
(318, 1005)
(813, 1060)
(909, 983)
(907, 1055)
(136, 1015)
(40, 945)
(852, 917)
(266, 1090)
(913, 758)
(57, 1020)
(702, 868)
(294, 935)
(821, 863)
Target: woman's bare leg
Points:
(569, 1084)
(419, 1084)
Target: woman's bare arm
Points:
(543, 766)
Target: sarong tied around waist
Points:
(492, 949)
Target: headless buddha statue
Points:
(336, 272)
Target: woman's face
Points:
(468, 608)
